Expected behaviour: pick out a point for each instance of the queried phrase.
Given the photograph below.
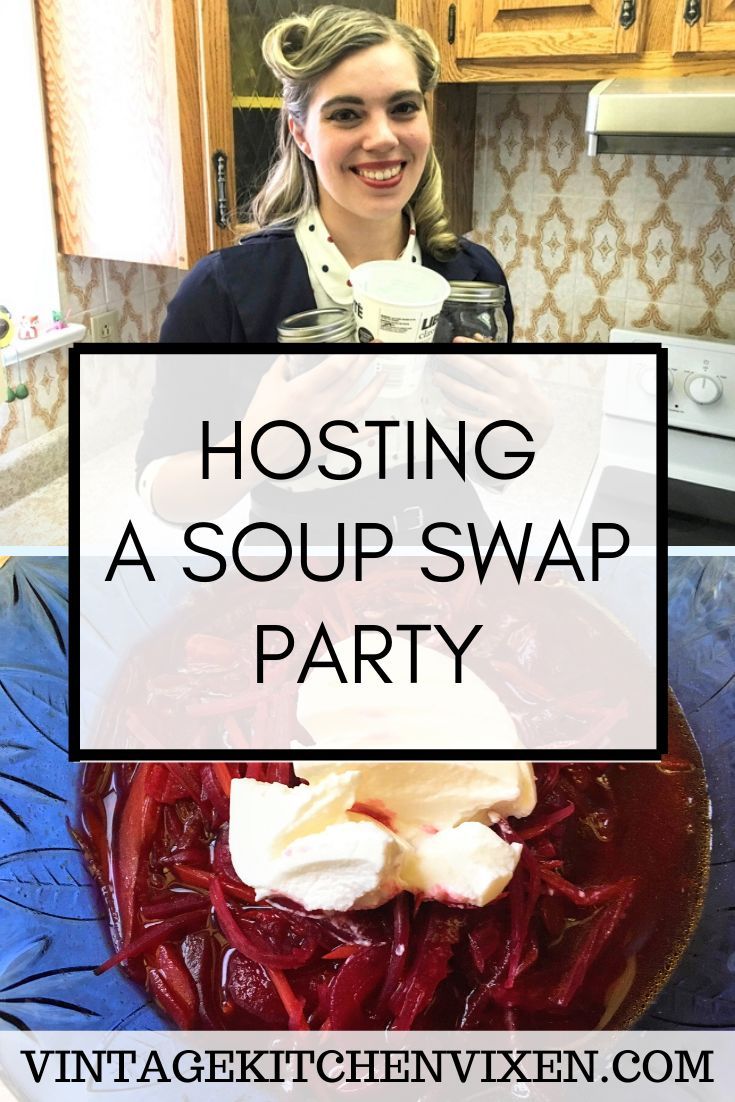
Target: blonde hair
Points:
(299, 50)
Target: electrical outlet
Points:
(105, 327)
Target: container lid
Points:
(490, 294)
(329, 325)
(396, 283)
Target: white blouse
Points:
(329, 272)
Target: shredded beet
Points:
(173, 986)
(544, 954)
(352, 986)
(436, 940)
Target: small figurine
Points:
(59, 320)
(7, 327)
(28, 327)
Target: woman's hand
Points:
(331, 390)
(485, 387)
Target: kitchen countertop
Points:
(41, 519)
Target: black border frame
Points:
(635, 347)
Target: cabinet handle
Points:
(221, 207)
(692, 12)
(452, 24)
(627, 14)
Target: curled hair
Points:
(299, 50)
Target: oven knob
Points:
(703, 389)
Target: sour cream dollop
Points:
(360, 832)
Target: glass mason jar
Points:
(328, 326)
(473, 310)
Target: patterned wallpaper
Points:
(588, 243)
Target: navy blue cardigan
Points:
(239, 295)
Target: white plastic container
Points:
(397, 302)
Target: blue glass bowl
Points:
(53, 922)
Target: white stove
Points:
(701, 440)
(701, 424)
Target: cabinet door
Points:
(124, 119)
(518, 29)
(704, 27)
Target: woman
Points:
(355, 179)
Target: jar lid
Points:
(314, 326)
(463, 290)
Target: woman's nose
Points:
(380, 134)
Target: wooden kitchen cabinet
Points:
(134, 100)
(518, 29)
(575, 40)
(704, 27)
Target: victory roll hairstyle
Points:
(299, 50)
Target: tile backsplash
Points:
(588, 243)
(88, 286)
(46, 407)
(139, 292)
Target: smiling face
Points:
(367, 133)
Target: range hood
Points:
(688, 115)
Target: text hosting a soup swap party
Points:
(280, 550)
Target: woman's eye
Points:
(344, 114)
(407, 108)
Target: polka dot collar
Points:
(329, 272)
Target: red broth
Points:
(598, 911)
